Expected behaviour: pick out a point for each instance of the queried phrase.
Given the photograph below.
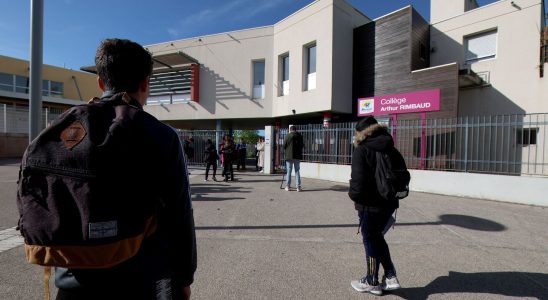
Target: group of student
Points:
(231, 153)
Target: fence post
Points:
(46, 117)
(5, 118)
(423, 139)
(466, 144)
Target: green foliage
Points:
(250, 137)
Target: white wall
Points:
(312, 23)
(225, 75)
(514, 189)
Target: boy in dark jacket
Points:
(210, 157)
(165, 264)
(374, 211)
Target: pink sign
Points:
(419, 101)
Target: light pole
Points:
(36, 52)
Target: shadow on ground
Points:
(510, 284)
(468, 222)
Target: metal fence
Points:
(15, 119)
(503, 144)
(200, 138)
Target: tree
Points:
(250, 137)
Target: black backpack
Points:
(392, 178)
(81, 197)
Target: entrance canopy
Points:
(175, 78)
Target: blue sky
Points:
(74, 28)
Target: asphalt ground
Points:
(257, 241)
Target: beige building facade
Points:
(61, 88)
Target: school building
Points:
(315, 64)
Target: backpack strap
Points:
(47, 275)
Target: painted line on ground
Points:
(9, 239)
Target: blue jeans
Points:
(372, 222)
(289, 166)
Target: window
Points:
(480, 46)
(310, 58)
(21, 84)
(56, 89)
(526, 136)
(258, 79)
(52, 88)
(284, 74)
(6, 82)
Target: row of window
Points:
(20, 84)
(309, 78)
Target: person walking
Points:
(293, 145)
(374, 212)
(210, 157)
(241, 150)
(228, 152)
(140, 168)
(260, 154)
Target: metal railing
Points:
(15, 119)
(503, 144)
(200, 137)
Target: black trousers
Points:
(208, 165)
(228, 169)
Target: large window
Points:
(258, 79)
(480, 46)
(52, 88)
(6, 82)
(284, 74)
(310, 58)
(22, 84)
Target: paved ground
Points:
(256, 241)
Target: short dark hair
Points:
(122, 64)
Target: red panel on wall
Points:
(195, 82)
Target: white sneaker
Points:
(390, 284)
(362, 286)
(299, 189)
(287, 188)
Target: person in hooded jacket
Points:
(210, 157)
(374, 212)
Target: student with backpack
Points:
(379, 179)
(104, 195)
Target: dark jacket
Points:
(210, 154)
(229, 152)
(293, 145)
(168, 257)
(363, 188)
(188, 149)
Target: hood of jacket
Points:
(375, 137)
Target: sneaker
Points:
(205, 179)
(299, 189)
(287, 188)
(214, 179)
(362, 286)
(390, 284)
